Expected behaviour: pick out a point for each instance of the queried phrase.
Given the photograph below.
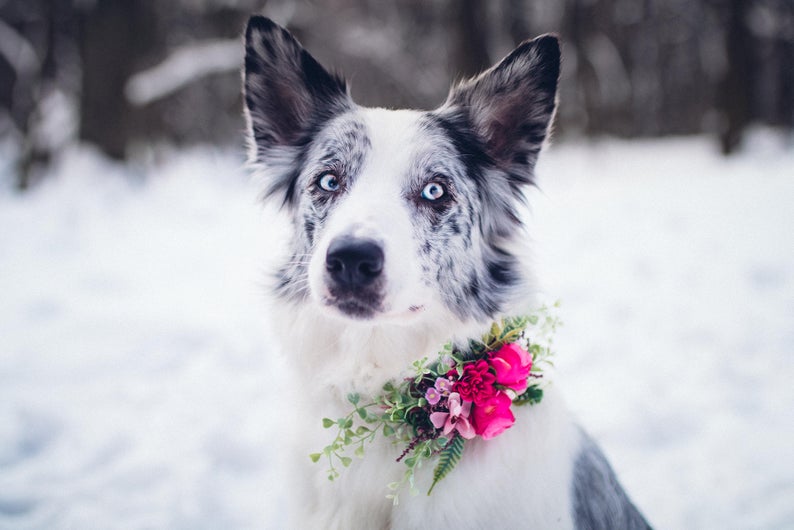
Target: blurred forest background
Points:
(130, 75)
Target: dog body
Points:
(404, 237)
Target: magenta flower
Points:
(457, 419)
(477, 382)
(494, 416)
(512, 364)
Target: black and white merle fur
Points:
(405, 233)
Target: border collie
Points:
(405, 235)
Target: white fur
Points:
(521, 479)
(373, 210)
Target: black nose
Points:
(354, 262)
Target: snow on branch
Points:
(17, 50)
(182, 67)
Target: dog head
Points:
(397, 213)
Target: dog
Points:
(404, 235)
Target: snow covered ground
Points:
(136, 384)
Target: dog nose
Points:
(354, 262)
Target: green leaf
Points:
(511, 336)
(388, 431)
(447, 460)
(532, 396)
(362, 413)
(346, 460)
(328, 423)
(359, 452)
(495, 331)
(353, 398)
(315, 457)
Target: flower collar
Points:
(461, 395)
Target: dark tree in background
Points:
(129, 75)
(734, 87)
(115, 38)
(469, 37)
(39, 65)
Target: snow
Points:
(17, 51)
(136, 383)
(182, 67)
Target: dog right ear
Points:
(288, 94)
(511, 106)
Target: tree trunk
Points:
(114, 35)
(470, 38)
(735, 92)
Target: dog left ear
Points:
(511, 105)
(286, 90)
(288, 95)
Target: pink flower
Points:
(433, 396)
(476, 383)
(444, 386)
(493, 417)
(512, 365)
(457, 419)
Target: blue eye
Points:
(328, 182)
(433, 191)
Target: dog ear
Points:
(510, 106)
(288, 94)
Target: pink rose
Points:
(493, 417)
(476, 383)
(512, 365)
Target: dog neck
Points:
(348, 356)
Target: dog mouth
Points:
(358, 309)
(355, 309)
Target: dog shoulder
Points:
(599, 500)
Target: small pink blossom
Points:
(512, 364)
(433, 396)
(444, 386)
(494, 416)
(457, 419)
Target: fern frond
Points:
(447, 460)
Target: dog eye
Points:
(328, 182)
(433, 191)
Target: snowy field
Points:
(136, 388)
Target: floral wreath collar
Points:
(461, 395)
